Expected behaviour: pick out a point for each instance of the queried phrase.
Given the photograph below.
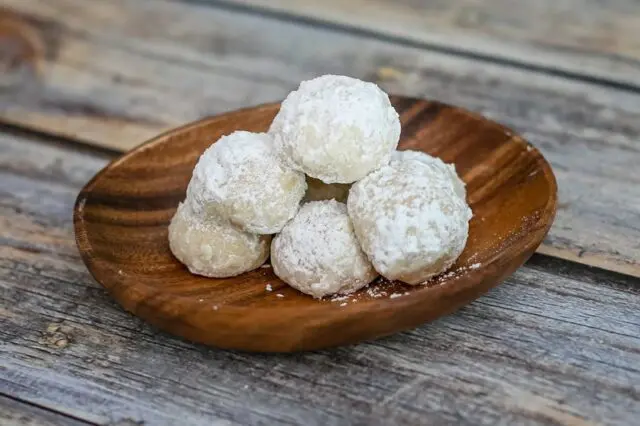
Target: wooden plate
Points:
(121, 219)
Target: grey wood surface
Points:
(120, 71)
(583, 38)
(16, 413)
(557, 344)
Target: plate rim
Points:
(419, 293)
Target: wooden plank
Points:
(118, 72)
(16, 413)
(581, 38)
(556, 344)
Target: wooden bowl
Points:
(121, 219)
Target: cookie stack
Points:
(333, 140)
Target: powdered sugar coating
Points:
(336, 128)
(409, 219)
(318, 253)
(214, 248)
(408, 155)
(240, 178)
(317, 190)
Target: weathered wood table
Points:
(558, 343)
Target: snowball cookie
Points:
(458, 184)
(317, 190)
(336, 129)
(240, 178)
(409, 220)
(318, 253)
(214, 248)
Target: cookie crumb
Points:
(388, 73)
(280, 295)
(61, 343)
(56, 336)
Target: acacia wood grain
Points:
(122, 214)
(107, 75)
(556, 344)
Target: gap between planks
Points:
(444, 28)
(19, 412)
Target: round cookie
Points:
(240, 178)
(317, 190)
(409, 219)
(318, 253)
(214, 248)
(336, 128)
(409, 155)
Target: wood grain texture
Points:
(111, 75)
(121, 71)
(556, 344)
(122, 215)
(16, 413)
(582, 38)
